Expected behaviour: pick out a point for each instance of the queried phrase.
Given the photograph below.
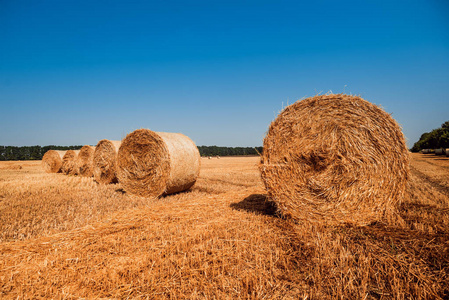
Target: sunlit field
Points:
(69, 237)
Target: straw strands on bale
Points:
(156, 163)
(105, 158)
(52, 161)
(85, 161)
(69, 162)
(335, 158)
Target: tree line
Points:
(30, 152)
(436, 139)
(37, 152)
(228, 151)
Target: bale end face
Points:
(85, 161)
(105, 161)
(69, 162)
(335, 158)
(52, 161)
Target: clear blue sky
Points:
(75, 72)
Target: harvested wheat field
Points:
(69, 237)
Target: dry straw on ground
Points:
(52, 161)
(69, 162)
(155, 163)
(336, 158)
(67, 237)
(85, 161)
(105, 161)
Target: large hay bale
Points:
(155, 163)
(105, 161)
(85, 161)
(335, 158)
(52, 161)
(447, 151)
(69, 162)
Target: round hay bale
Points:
(447, 151)
(152, 163)
(439, 152)
(335, 158)
(69, 162)
(85, 161)
(105, 161)
(52, 161)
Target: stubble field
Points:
(68, 237)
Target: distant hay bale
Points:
(85, 161)
(155, 163)
(52, 161)
(439, 151)
(335, 158)
(447, 151)
(69, 162)
(105, 161)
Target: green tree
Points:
(437, 138)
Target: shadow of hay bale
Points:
(258, 204)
